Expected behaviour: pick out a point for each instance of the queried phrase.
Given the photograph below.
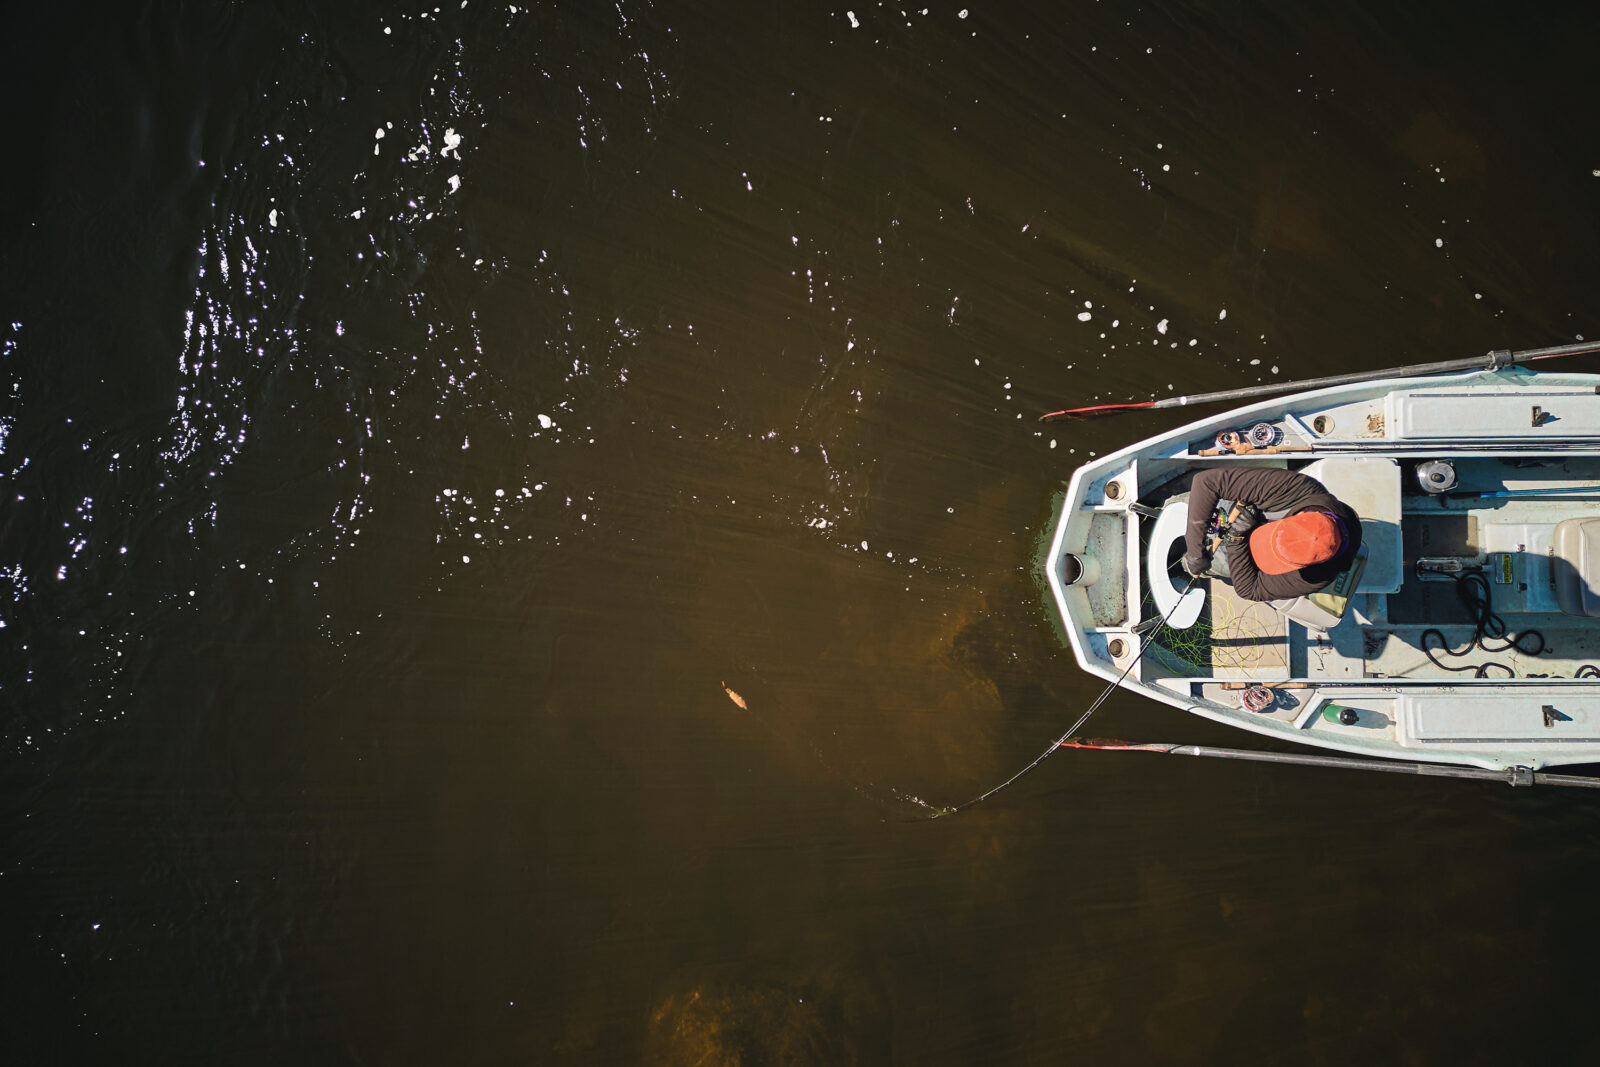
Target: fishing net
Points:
(1186, 651)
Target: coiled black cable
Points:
(1473, 589)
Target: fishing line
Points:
(1073, 729)
(1235, 632)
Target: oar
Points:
(1492, 361)
(1510, 775)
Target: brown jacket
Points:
(1277, 493)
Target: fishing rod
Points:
(1517, 776)
(1494, 360)
(1075, 727)
(1216, 540)
(1556, 490)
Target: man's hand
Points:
(1195, 566)
(1247, 519)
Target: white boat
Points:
(1355, 669)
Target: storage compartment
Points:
(1478, 415)
(1525, 717)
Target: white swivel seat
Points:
(1575, 566)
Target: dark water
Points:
(386, 516)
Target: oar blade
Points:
(1104, 743)
(1095, 412)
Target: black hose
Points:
(1473, 589)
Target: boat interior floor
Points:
(1546, 646)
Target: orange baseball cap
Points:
(1296, 541)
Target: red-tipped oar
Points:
(1492, 361)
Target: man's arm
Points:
(1203, 496)
(1268, 488)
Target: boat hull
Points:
(1371, 683)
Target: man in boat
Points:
(1287, 537)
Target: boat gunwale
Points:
(1161, 447)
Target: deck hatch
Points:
(1514, 414)
(1497, 718)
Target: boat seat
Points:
(1371, 486)
(1180, 609)
(1575, 566)
(1324, 609)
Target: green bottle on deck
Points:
(1340, 714)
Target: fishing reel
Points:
(1261, 435)
(1259, 698)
